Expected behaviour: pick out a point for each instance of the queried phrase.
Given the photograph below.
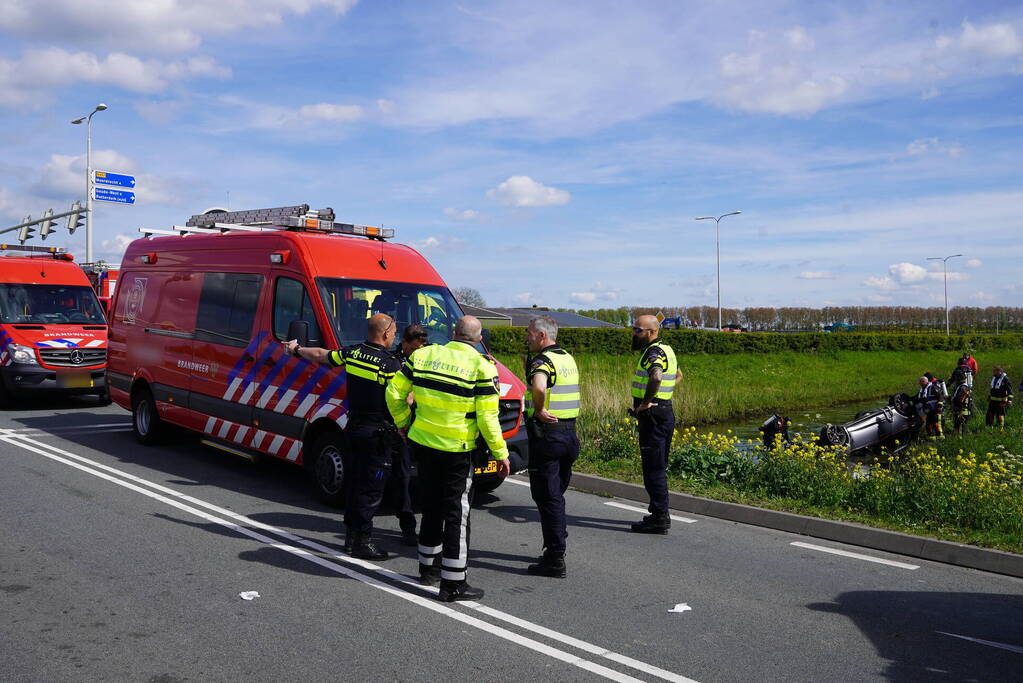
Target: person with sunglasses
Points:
(652, 385)
(372, 437)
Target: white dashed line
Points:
(989, 643)
(857, 556)
(623, 506)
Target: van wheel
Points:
(145, 421)
(327, 468)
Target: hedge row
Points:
(618, 341)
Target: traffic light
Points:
(46, 224)
(25, 231)
(75, 220)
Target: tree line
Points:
(865, 318)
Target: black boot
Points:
(365, 549)
(428, 575)
(652, 524)
(349, 541)
(550, 564)
(408, 530)
(452, 591)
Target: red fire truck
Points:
(199, 316)
(53, 335)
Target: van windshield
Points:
(350, 303)
(49, 304)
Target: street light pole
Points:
(717, 244)
(944, 265)
(88, 179)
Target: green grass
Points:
(934, 490)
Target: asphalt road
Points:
(121, 562)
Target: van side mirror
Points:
(486, 336)
(299, 329)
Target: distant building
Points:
(520, 317)
(487, 317)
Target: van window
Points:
(49, 304)
(350, 303)
(227, 307)
(292, 302)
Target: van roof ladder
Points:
(296, 218)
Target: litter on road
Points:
(248, 595)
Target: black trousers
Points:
(445, 480)
(553, 450)
(656, 428)
(401, 486)
(372, 447)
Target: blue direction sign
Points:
(104, 194)
(114, 179)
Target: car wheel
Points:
(145, 421)
(902, 404)
(326, 467)
(833, 435)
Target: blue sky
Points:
(553, 153)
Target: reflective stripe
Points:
(563, 384)
(563, 405)
(449, 575)
(669, 373)
(567, 389)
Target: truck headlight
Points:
(24, 355)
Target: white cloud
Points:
(526, 298)
(332, 113)
(462, 215)
(438, 244)
(63, 177)
(583, 297)
(23, 81)
(997, 40)
(922, 146)
(116, 246)
(816, 275)
(929, 93)
(523, 191)
(909, 275)
(974, 263)
(798, 38)
(154, 25)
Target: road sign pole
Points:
(88, 193)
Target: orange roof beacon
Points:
(53, 335)
(200, 313)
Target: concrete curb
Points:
(959, 554)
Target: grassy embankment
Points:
(973, 496)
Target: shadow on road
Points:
(909, 629)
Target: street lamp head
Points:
(704, 218)
(734, 213)
(101, 107)
(79, 120)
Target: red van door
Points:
(224, 357)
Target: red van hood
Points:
(511, 386)
(50, 337)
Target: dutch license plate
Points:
(74, 380)
(489, 469)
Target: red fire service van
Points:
(198, 320)
(53, 336)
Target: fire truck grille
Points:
(508, 414)
(73, 358)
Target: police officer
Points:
(999, 398)
(412, 338)
(551, 409)
(372, 437)
(456, 393)
(652, 385)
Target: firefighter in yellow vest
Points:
(552, 405)
(456, 392)
(652, 385)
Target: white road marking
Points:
(511, 480)
(623, 506)
(858, 556)
(99, 470)
(1003, 646)
(57, 430)
(40, 432)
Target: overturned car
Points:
(892, 427)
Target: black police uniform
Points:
(656, 428)
(553, 448)
(373, 439)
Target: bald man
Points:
(653, 383)
(372, 437)
(457, 394)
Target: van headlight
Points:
(25, 355)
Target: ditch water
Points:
(806, 422)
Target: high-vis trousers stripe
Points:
(445, 480)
